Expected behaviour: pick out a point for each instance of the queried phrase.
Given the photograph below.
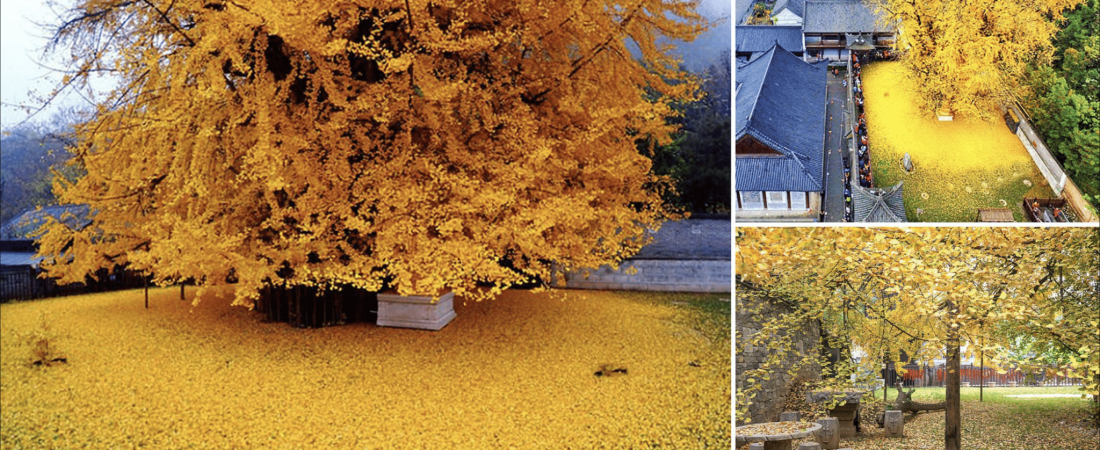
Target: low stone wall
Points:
(658, 275)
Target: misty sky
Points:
(21, 43)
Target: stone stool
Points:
(895, 424)
(829, 435)
(790, 416)
(809, 446)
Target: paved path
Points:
(834, 161)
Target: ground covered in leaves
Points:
(959, 166)
(997, 422)
(518, 372)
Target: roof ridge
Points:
(760, 87)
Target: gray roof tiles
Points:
(781, 103)
(798, 7)
(759, 38)
(21, 226)
(841, 16)
(878, 205)
(693, 239)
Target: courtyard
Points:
(569, 369)
(959, 165)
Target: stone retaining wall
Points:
(768, 403)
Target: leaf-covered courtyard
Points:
(960, 165)
(517, 372)
(1035, 419)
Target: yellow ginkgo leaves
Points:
(516, 372)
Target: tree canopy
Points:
(969, 56)
(927, 292)
(418, 142)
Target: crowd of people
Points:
(864, 175)
(1054, 214)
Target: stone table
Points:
(774, 435)
(845, 412)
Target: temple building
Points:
(833, 29)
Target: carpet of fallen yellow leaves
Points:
(960, 166)
(998, 423)
(986, 426)
(517, 372)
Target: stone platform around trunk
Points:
(415, 311)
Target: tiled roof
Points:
(759, 38)
(19, 259)
(781, 103)
(691, 239)
(798, 7)
(743, 8)
(878, 205)
(20, 227)
(841, 16)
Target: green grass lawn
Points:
(960, 166)
(515, 372)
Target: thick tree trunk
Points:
(953, 420)
(306, 307)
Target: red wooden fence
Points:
(925, 375)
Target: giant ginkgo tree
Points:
(970, 57)
(927, 292)
(432, 144)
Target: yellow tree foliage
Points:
(343, 143)
(928, 291)
(969, 56)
